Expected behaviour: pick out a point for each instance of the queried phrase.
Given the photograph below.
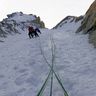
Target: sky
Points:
(50, 11)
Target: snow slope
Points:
(70, 22)
(23, 69)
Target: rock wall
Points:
(88, 25)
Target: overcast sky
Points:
(50, 11)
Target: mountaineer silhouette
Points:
(33, 32)
(37, 30)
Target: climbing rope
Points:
(53, 59)
(44, 85)
(52, 71)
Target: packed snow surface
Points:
(23, 69)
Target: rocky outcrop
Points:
(69, 23)
(18, 21)
(68, 20)
(89, 19)
(88, 25)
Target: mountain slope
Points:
(87, 23)
(23, 69)
(69, 23)
(20, 21)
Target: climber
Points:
(32, 32)
(37, 30)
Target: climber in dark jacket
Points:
(37, 30)
(32, 32)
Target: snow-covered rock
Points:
(69, 23)
(18, 20)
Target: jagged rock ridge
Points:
(68, 20)
(20, 21)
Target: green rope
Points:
(57, 76)
(51, 87)
(44, 85)
(53, 57)
(58, 79)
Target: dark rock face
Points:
(88, 24)
(89, 20)
(20, 21)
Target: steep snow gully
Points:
(23, 69)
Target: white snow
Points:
(23, 69)
(69, 24)
(18, 17)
